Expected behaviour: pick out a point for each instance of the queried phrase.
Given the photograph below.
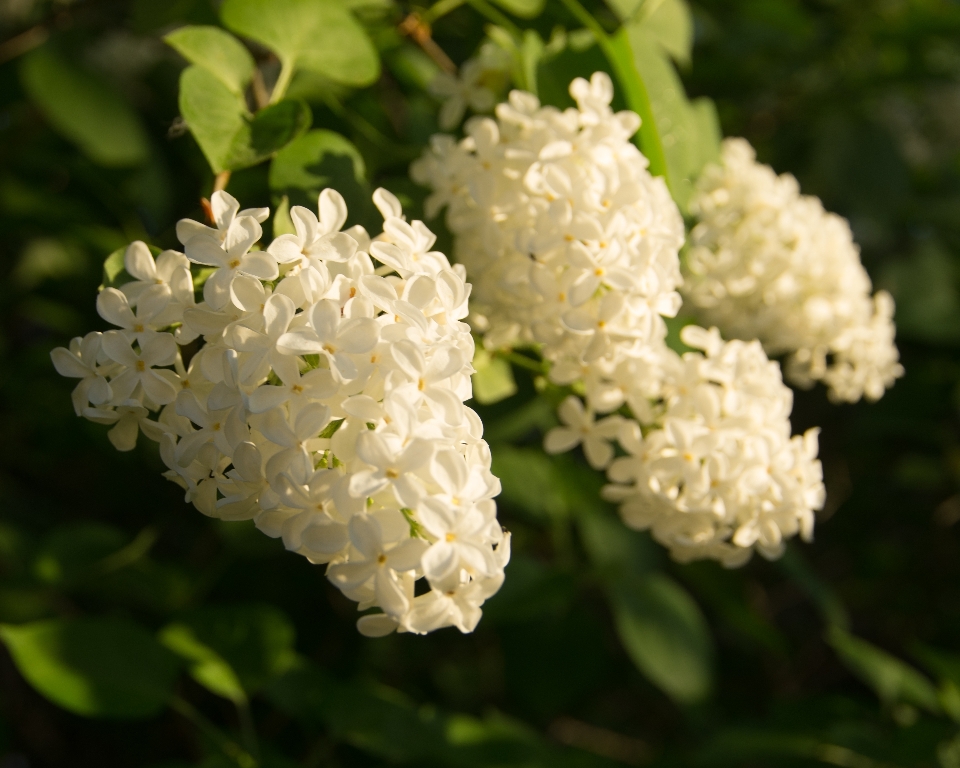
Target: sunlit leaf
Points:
(492, 379)
(214, 114)
(96, 667)
(665, 635)
(217, 51)
(230, 137)
(84, 109)
(525, 9)
(320, 35)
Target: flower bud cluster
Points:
(315, 393)
(712, 470)
(570, 242)
(767, 262)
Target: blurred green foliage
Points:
(212, 646)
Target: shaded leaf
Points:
(96, 667)
(316, 160)
(217, 51)
(207, 666)
(892, 679)
(84, 110)
(664, 632)
(271, 129)
(254, 641)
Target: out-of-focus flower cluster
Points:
(477, 85)
(315, 393)
(574, 247)
(769, 263)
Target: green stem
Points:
(248, 731)
(522, 361)
(440, 9)
(485, 9)
(362, 125)
(620, 55)
(283, 82)
(227, 745)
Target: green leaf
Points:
(317, 160)
(207, 666)
(320, 35)
(217, 51)
(271, 129)
(235, 648)
(96, 667)
(85, 110)
(230, 137)
(892, 679)
(72, 551)
(492, 379)
(670, 23)
(672, 112)
(214, 114)
(525, 9)
(530, 481)
(665, 634)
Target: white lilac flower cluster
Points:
(574, 247)
(570, 242)
(713, 471)
(767, 262)
(324, 400)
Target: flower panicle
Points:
(323, 399)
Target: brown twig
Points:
(25, 41)
(221, 180)
(417, 30)
(261, 96)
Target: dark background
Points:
(860, 99)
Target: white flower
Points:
(717, 474)
(580, 428)
(233, 259)
(80, 362)
(157, 349)
(379, 564)
(325, 403)
(224, 210)
(767, 262)
(571, 243)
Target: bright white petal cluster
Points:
(314, 393)
(713, 471)
(767, 262)
(570, 242)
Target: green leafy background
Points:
(136, 632)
